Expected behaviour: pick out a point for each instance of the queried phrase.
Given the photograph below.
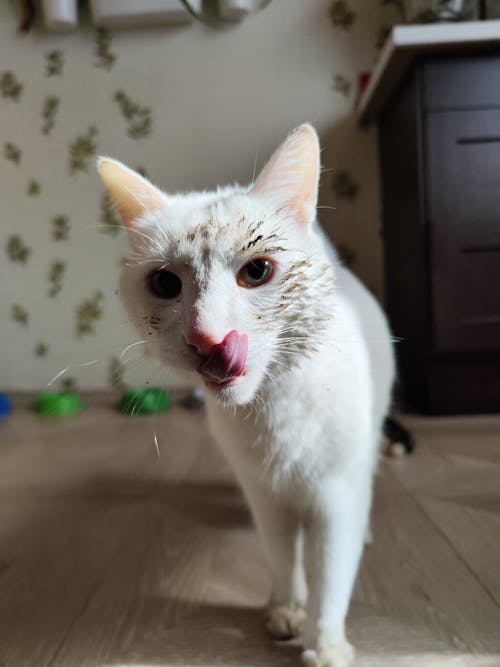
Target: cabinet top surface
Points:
(407, 42)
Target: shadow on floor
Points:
(118, 570)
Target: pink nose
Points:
(226, 360)
(203, 343)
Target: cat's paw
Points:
(329, 655)
(285, 621)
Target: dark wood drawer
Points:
(463, 194)
(461, 82)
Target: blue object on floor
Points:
(5, 406)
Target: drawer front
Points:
(463, 201)
(461, 82)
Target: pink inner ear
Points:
(290, 178)
(131, 194)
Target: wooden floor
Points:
(110, 557)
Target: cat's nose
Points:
(201, 342)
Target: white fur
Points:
(301, 428)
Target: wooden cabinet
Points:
(439, 144)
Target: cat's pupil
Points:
(165, 284)
(256, 269)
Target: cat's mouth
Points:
(217, 386)
(225, 361)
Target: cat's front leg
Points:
(286, 611)
(334, 537)
(280, 531)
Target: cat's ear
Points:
(132, 195)
(291, 177)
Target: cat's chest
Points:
(278, 443)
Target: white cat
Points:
(241, 290)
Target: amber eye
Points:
(164, 284)
(255, 273)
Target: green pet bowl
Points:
(58, 403)
(140, 401)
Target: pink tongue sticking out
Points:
(226, 360)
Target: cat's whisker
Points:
(155, 440)
(260, 400)
(160, 369)
(143, 199)
(103, 227)
(113, 349)
(291, 345)
(124, 351)
(296, 336)
(267, 373)
(255, 160)
(249, 413)
(138, 262)
(155, 421)
(64, 370)
(277, 363)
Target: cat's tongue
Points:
(226, 360)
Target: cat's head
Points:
(229, 286)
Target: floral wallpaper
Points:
(191, 107)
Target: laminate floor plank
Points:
(111, 557)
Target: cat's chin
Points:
(237, 391)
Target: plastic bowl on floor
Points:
(58, 403)
(5, 406)
(144, 401)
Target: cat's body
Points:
(249, 297)
(325, 414)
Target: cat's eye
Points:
(256, 272)
(164, 284)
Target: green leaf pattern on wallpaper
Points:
(341, 14)
(341, 84)
(82, 150)
(19, 314)
(69, 384)
(54, 63)
(12, 153)
(81, 153)
(33, 188)
(86, 134)
(56, 273)
(110, 222)
(10, 87)
(139, 119)
(17, 250)
(49, 112)
(88, 313)
(41, 349)
(105, 58)
(60, 228)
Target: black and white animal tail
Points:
(399, 437)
